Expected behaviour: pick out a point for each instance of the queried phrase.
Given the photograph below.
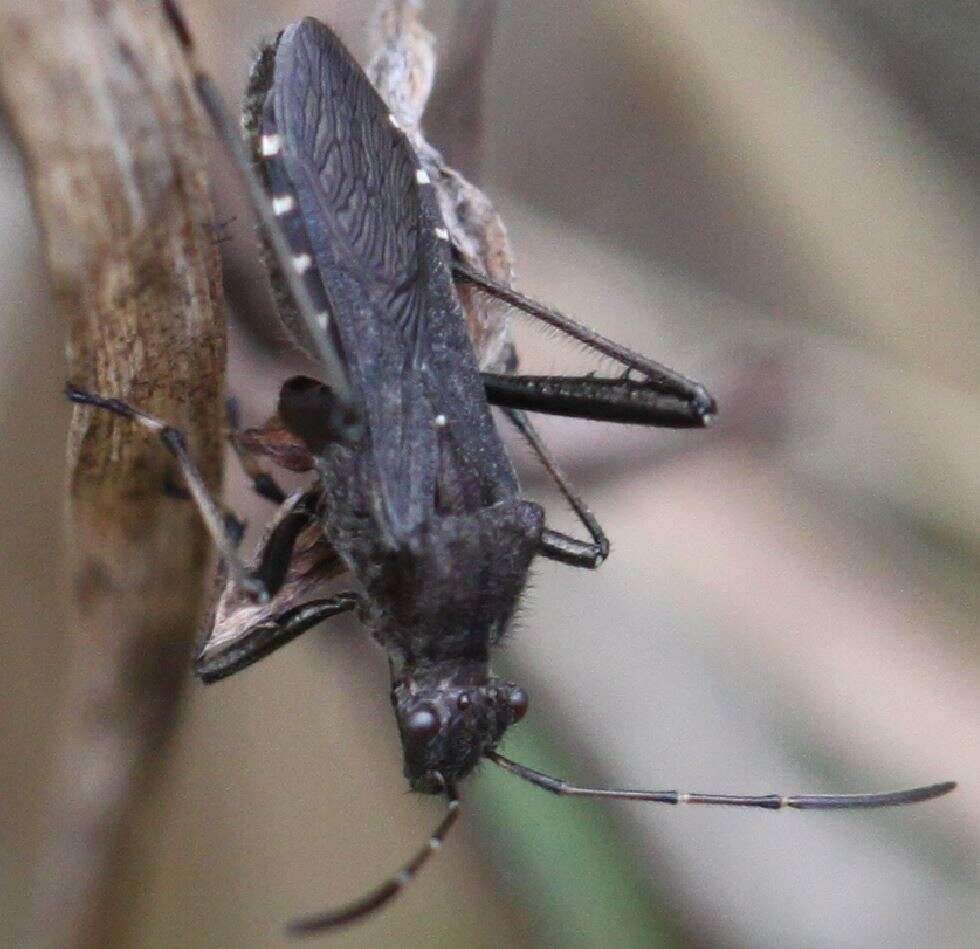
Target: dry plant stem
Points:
(97, 95)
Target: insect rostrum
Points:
(413, 494)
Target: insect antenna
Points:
(319, 922)
(802, 802)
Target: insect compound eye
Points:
(435, 781)
(422, 724)
(517, 700)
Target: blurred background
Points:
(777, 198)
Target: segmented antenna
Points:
(802, 802)
(211, 102)
(310, 925)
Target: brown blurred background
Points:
(779, 199)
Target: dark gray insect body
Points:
(414, 494)
(424, 508)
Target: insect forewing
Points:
(365, 229)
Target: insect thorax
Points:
(447, 590)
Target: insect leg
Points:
(803, 802)
(263, 484)
(576, 553)
(266, 637)
(602, 400)
(211, 513)
(555, 545)
(661, 379)
(276, 554)
(345, 422)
